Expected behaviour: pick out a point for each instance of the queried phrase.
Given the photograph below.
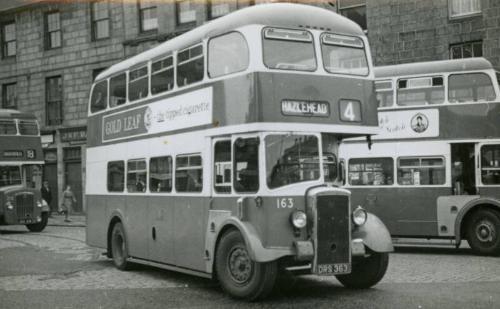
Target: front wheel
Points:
(38, 227)
(366, 271)
(119, 248)
(238, 275)
(483, 232)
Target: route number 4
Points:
(349, 112)
(284, 202)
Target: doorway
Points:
(73, 175)
(463, 169)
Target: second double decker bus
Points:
(434, 170)
(215, 153)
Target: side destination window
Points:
(116, 176)
(188, 173)
(162, 75)
(222, 167)
(227, 54)
(421, 171)
(246, 165)
(190, 65)
(8, 127)
(471, 87)
(117, 90)
(420, 91)
(138, 84)
(99, 97)
(371, 172)
(160, 174)
(490, 164)
(384, 91)
(136, 176)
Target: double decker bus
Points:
(215, 153)
(434, 170)
(21, 162)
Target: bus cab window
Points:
(188, 173)
(371, 172)
(116, 176)
(471, 87)
(287, 49)
(8, 127)
(490, 164)
(162, 75)
(190, 65)
(138, 84)
(421, 171)
(136, 176)
(227, 54)
(160, 174)
(117, 90)
(222, 167)
(344, 54)
(420, 91)
(99, 97)
(246, 165)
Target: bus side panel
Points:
(491, 192)
(97, 226)
(412, 213)
(138, 232)
(190, 226)
(161, 218)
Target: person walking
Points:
(47, 195)
(67, 203)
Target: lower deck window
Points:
(421, 171)
(188, 173)
(246, 165)
(160, 174)
(136, 176)
(116, 176)
(490, 164)
(371, 172)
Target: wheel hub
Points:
(240, 265)
(485, 231)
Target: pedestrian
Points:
(47, 195)
(67, 203)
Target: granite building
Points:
(52, 50)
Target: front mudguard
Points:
(374, 234)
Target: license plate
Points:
(333, 269)
(25, 221)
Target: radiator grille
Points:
(24, 205)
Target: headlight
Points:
(359, 216)
(39, 204)
(299, 219)
(9, 203)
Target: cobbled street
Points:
(55, 269)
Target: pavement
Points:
(76, 220)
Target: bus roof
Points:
(433, 67)
(275, 14)
(12, 113)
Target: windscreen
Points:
(10, 175)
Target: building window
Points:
(186, 11)
(148, 17)
(52, 30)
(54, 100)
(9, 96)
(466, 50)
(217, 8)
(355, 10)
(461, 8)
(9, 40)
(100, 20)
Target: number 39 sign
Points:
(350, 110)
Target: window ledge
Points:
(465, 16)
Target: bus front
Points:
(20, 172)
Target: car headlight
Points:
(299, 219)
(359, 216)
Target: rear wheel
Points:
(119, 247)
(38, 227)
(483, 232)
(238, 275)
(366, 271)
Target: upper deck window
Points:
(471, 87)
(420, 91)
(28, 127)
(10, 175)
(384, 91)
(138, 84)
(8, 127)
(162, 75)
(99, 97)
(371, 172)
(421, 171)
(190, 65)
(227, 54)
(286, 49)
(344, 54)
(117, 90)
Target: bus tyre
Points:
(38, 227)
(366, 272)
(119, 247)
(483, 232)
(238, 275)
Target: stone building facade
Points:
(52, 50)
